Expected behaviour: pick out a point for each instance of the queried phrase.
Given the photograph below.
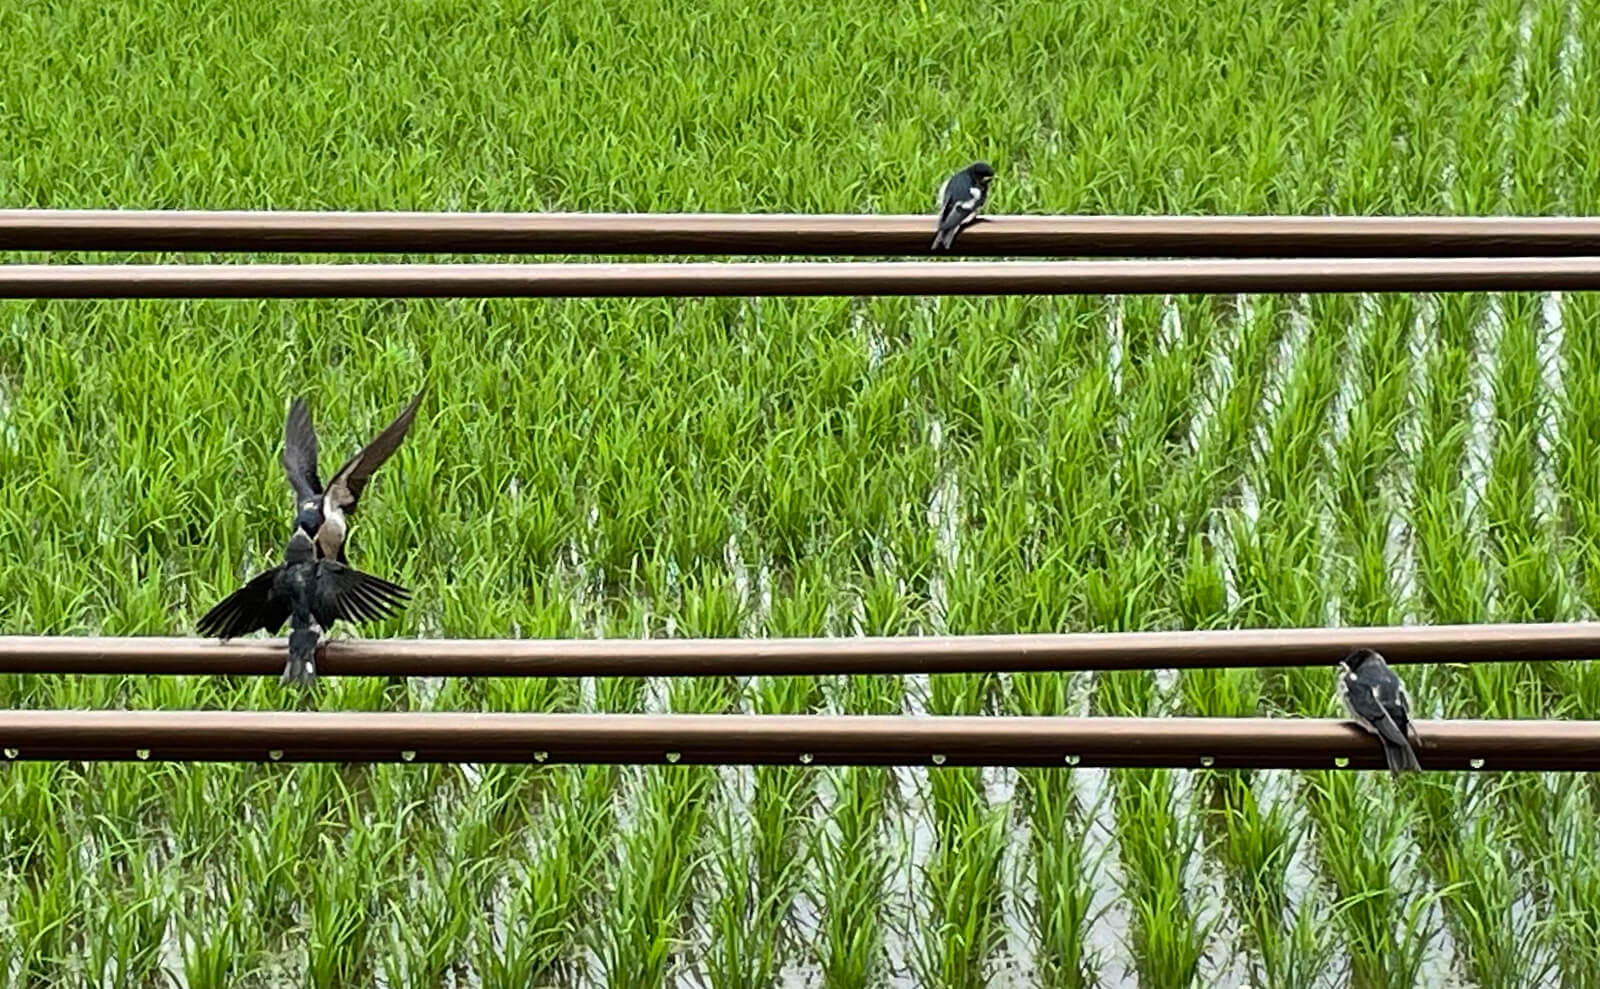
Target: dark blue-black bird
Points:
(328, 508)
(311, 594)
(960, 198)
(1376, 699)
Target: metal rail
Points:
(735, 739)
(1222, 648)
(780, 234)
(798, 278)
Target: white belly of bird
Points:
(331, 536)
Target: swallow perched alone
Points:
(1376, 699)
(311, 594)
(960, 198)
(332, 505)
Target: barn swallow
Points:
(960, 198)
(1376, 699)
(329, 508)
(311, 594)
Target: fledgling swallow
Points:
(311, 594)
(960, 198)
(1376, 699)
(328, 509)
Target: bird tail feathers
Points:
(1400, 757)
(302, 666)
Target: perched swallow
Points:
(960, 198)
(1377, 700)
(327, 509)
(311, 594)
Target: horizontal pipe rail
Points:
(798, 278)
(1220, 648)
(742, 739)
(781, 234)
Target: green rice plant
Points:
(1382, 917)
(584, 467)
(1168, 939)
(1501, 943)
(1062, 897)
(641, 942)
(340, 922)
(763, 859)
(963, 878)
(1257, 846)
(854, 867)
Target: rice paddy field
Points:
(809, 467)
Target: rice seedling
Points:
(885, 466)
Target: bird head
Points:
(309, 517)
(301, 548)
(982, 172)
(1359, 658)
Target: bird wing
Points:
(1404, 704)
(300, 451)
(344, 490)
(254, 606)
(346, 593)
(949, 205)
(951, 218)
(1364, 701)
(1393, 694)
(958, 212)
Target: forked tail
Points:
(302, 666)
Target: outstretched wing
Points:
(346, 593)
(253, 606)
(300, 451)
(344, 490)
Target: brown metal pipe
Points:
(733, 739)
(778, 234)
(1220, 648)
(793, 279)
